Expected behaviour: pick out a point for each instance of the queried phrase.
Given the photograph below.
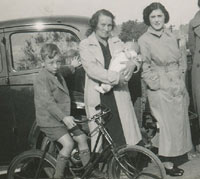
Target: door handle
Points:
(7, 81)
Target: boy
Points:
(52, 104)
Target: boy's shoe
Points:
(98, 174)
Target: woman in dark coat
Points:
(194, 46)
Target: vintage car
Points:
(20, 43)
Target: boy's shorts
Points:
(55, 133)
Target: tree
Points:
(26, 47)
(132, 30)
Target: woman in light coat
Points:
(96, 52)
(163, 72)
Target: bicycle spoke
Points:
(136, 163)
(25, 166)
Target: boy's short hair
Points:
(49, 50)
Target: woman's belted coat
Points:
(163, 72)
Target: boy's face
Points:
(53, 64)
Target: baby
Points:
(131, 50)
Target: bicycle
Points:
(119, 163)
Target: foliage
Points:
(132, 30)
(26, 47)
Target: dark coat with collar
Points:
(52, 100)
(194, 34)
(194, 46)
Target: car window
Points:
(26, 47)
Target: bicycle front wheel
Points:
(136, 162)
(30, 165)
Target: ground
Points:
(191, 168)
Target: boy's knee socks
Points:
(60, 165)
(63, 160)
(85, 156)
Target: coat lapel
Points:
(62, 86)
(57, 83)
(96, 48)
(111, 43)
(196, 20)
(196, 23)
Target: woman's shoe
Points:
(180, 169)
(175, 171)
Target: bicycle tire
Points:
(24, 166)
(138, 163)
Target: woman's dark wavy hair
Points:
(154, 6)
(95, 18)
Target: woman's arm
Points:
(94, 69)
(150, 76)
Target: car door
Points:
(23, 47)
(7, 137)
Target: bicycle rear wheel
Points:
(26, 166)
(136, 162)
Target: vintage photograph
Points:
(98, 89)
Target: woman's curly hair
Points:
(95, 18)
(154, 6)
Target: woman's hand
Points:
(129, 69)
(69, 121)
(122, 79)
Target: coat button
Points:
(198, 65)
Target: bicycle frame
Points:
(111, 146)
(48, 142)
(109, 151)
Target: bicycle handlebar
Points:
(99, 115)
